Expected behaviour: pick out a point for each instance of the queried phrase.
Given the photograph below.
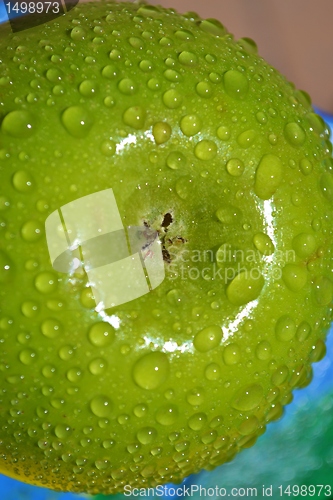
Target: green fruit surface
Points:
(206, 144)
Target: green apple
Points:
(166, 235)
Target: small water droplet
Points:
(196, 396)
(101, 406)
(264, 350)
(184, 187)
(172, 75)
(51, 328)
(303, 331)
(235, 167)
(187, 58)
(304, 245)
(54, 75)
(326, 185)
(205, 150)
(248, 398)
(108, 148)
(151, 370)
(146, 435)
(231, 354)
(223, 133)
(161, 132)
(88, 88)
(268, 176)
(197, 421)
(167, 415)
(127, 86)
(212, 371)
(248, 426)
(172, 99)
(74, 374)
(236, 84)
(27, 356)
(263, 243)
(294, 134)
(318, 351)
(135, 117)
(46, 282)
(62, 431)
(294, 276)
(204, 89)
(176, 160)
(110, 71)
(306, 166)
(77, 121)
(285, 328)
(190, 125)
(6, 268)
(146, 66)
(136, 42)
(323, 291)
(246, 138)
(208, 338)
(101, 334)
(213, 27)
(78, 33)
(32, 230)
(20, 124)
(97, 366)
(23, 181)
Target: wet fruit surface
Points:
(206, 145)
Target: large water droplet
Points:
(205, 150)
(304, 245)
(97, 366)
(263, 243)
(236, 84)
(167, 415)
(248, 398)
(78, 33)
(245, 287)
(146, 435)
(196, 397)
(231, 354)
(27, 356)
(20, 124)
(326, 185)
(263, 350)
(235, 167)
(77, 121)
(204, 89)
(187, 58)
(175, 160)
(32, 230)
(306, 166)
(323, 291)
(190, 125)
(197, 421)
(246, 138)
(212, 371)
(88, 88)
(46, 282)
(268, 176)
(213, 27)
(208, 338)
(172, 99)
(161, 132)
(51, 328)
(127, 86)
(151, 370)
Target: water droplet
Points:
(161, 132)
(187, 58)
(294, 276)
(249, 426)
(303, 331)
(231, 354)
(136, 42)
(146, 435)
(172, 75)
(172, 99)
(208, 338)
(248, 398)
(245, 287)
(101, 334)
(27, 356)
(77, 121)
(20, 124)
(204, 89)
(246, 139)
(212, 371)
(197, 421)
(326, 185)
(205, 150)
(318, 351)
(32, 230)
(264, 350)
(323, 291)
(235, 167)
(304, 245)
(54, 75)
(110, 72)
(190, 125)
(66, 352)
(167, 415)
(215, 77)
(223, 133)
(149, 11)
(263, 243)
(46, 282)
(268, 176)
(184, 187)
(62, 431)
(135, 117)
(236, 84)
(228, 215)
(74, 374)
(6, 268)
(151, 370)
(195, 397)
(51, 328)
(101, 406)
(88, 88)
(153, 84)
(108, 148)
(78, 33)
(127, 86)
(97, 366)
(213, 27)
(294, 134)
(305, 166)
(175, 160)
(285, 328)
(146, 66)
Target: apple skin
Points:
(204, 143)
